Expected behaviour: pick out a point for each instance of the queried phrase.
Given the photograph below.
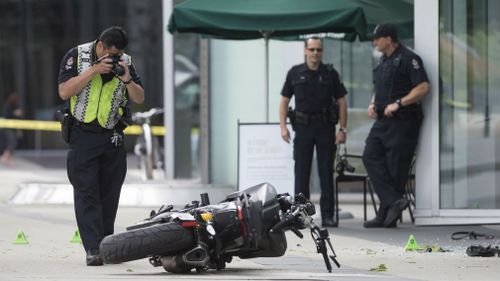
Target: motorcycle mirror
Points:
(297, 232)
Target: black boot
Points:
(378, 222)
(94, 258)
(373, 223)
(394, 212)
(329, 222)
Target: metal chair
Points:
(409, 193)
(347, 173)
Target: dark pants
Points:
(96, 169)
(10, 139)
(389, 150)
(321, 135)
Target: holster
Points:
(334, 112)
(67, 122)
(124, 120)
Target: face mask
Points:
(376, 54)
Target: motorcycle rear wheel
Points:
(161, 239)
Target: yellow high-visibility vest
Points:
(97, 100)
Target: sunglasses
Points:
(312, 50)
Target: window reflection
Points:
(187, 105)
(469, 111)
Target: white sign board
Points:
(263, 156)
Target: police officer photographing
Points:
(400, 83)
(320, 104)
(97, 79)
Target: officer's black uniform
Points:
(96, 166)
(391, 144)
(314, 91)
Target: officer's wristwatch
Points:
(343, 130)
(398, 101)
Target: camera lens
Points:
(118, 69)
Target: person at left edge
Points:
(97, 160)
(317, 88)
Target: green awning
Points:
(251, 19)
(397, 12)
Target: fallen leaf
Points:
(380, 268)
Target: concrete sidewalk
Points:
(50, 256)
(40, 178)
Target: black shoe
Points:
(394, 211)
(373, 223)
(329, 222)
(377, 222)
(94, 258)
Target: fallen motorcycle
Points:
(248, 224)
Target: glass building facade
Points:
(35, 35)
(469, 40)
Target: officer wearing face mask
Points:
(400, 83)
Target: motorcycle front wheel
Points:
(160, 239)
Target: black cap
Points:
(385, 30)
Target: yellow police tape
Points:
(38, 125)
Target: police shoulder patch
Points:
(415, 63)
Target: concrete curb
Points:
(133, 194)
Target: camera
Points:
(117, 69)
(344, 166)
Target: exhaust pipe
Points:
(194, 258)
(197, 257)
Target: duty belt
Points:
(309, 118)
(91, 127)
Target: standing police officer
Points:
(400, 83)
(319, 100)
(98, 79)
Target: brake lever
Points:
(297, 232)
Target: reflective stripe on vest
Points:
(97, 100)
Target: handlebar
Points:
(298, 214)
(147, 114)
(288, 220)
